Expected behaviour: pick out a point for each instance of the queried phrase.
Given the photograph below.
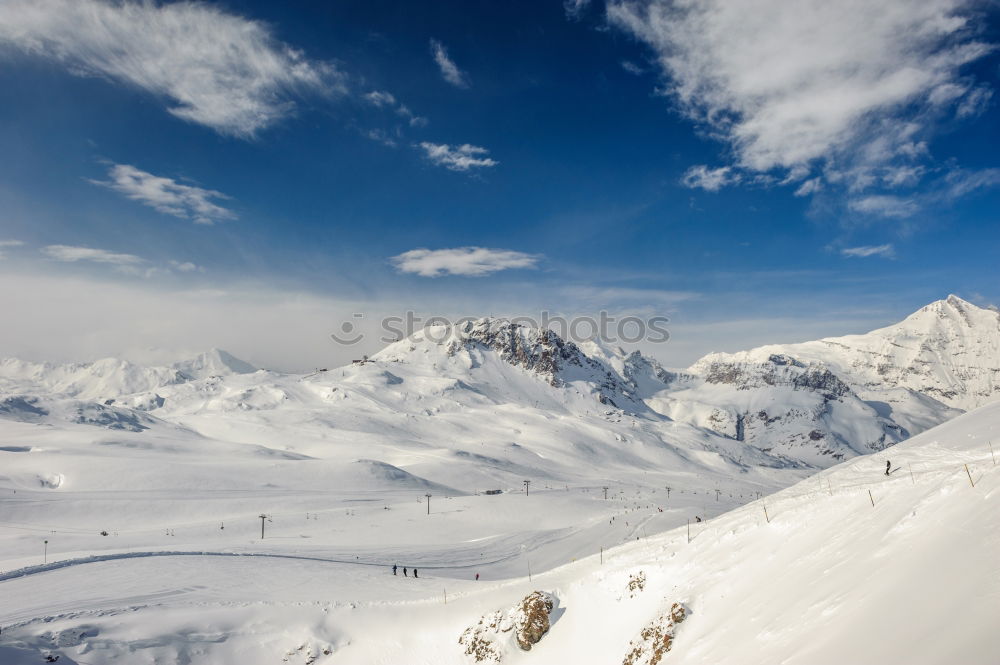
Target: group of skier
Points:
(405, 571)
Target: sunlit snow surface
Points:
(175, 465)
(830, 579)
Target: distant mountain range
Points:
(510, 386)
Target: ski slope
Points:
(824, 577)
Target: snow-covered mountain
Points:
(948, 350)
(111, 378)
(147, 488)
(894, 382)
(813, 403)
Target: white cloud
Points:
(167, 195)
(381, 136)
(449, 70)
(632, 68)
(383, 99)
(902, 176)
(711, 180)
(463, 157)
(128, 264)
(815, 84)
(810, 186)
(465, 261)
(380, 98)
(869, 250)
(974, 103)
(884, 205)
(411, 118)
(573, 8)
(71, 254)
(960, 182)
(186, 266)
(625, 299)
(218, 69)
(9, 243)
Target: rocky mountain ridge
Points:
(813, 403)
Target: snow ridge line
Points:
(97, 558)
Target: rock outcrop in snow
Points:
(524, 624)
(657, 638)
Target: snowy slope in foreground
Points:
(827, 577)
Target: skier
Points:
(888, 464)
(404, 572)
(393, 569)
(414, 572)
(477, 577)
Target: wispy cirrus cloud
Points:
(386, 100)
(573, 8)
(185, 266)
(218, 69)
(461, 158)
(837, 93)
(129, 264)
(9, 243)
(960, 182)
(463, 261)
(886, 251)
(166, 195)
(885, 205)
(381, 136)
(709, 179)
(73, 254)
(380, 98)
(632, 68)
(449, 70)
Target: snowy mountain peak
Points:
(952, 312)
(214, 362)
(539, 350)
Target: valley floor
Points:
(823, 576)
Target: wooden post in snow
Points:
(766, 516)
(871, 498)
(911, 474)
(970, 475)
(689, 530)
(992, 454)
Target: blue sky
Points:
(248, 174)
